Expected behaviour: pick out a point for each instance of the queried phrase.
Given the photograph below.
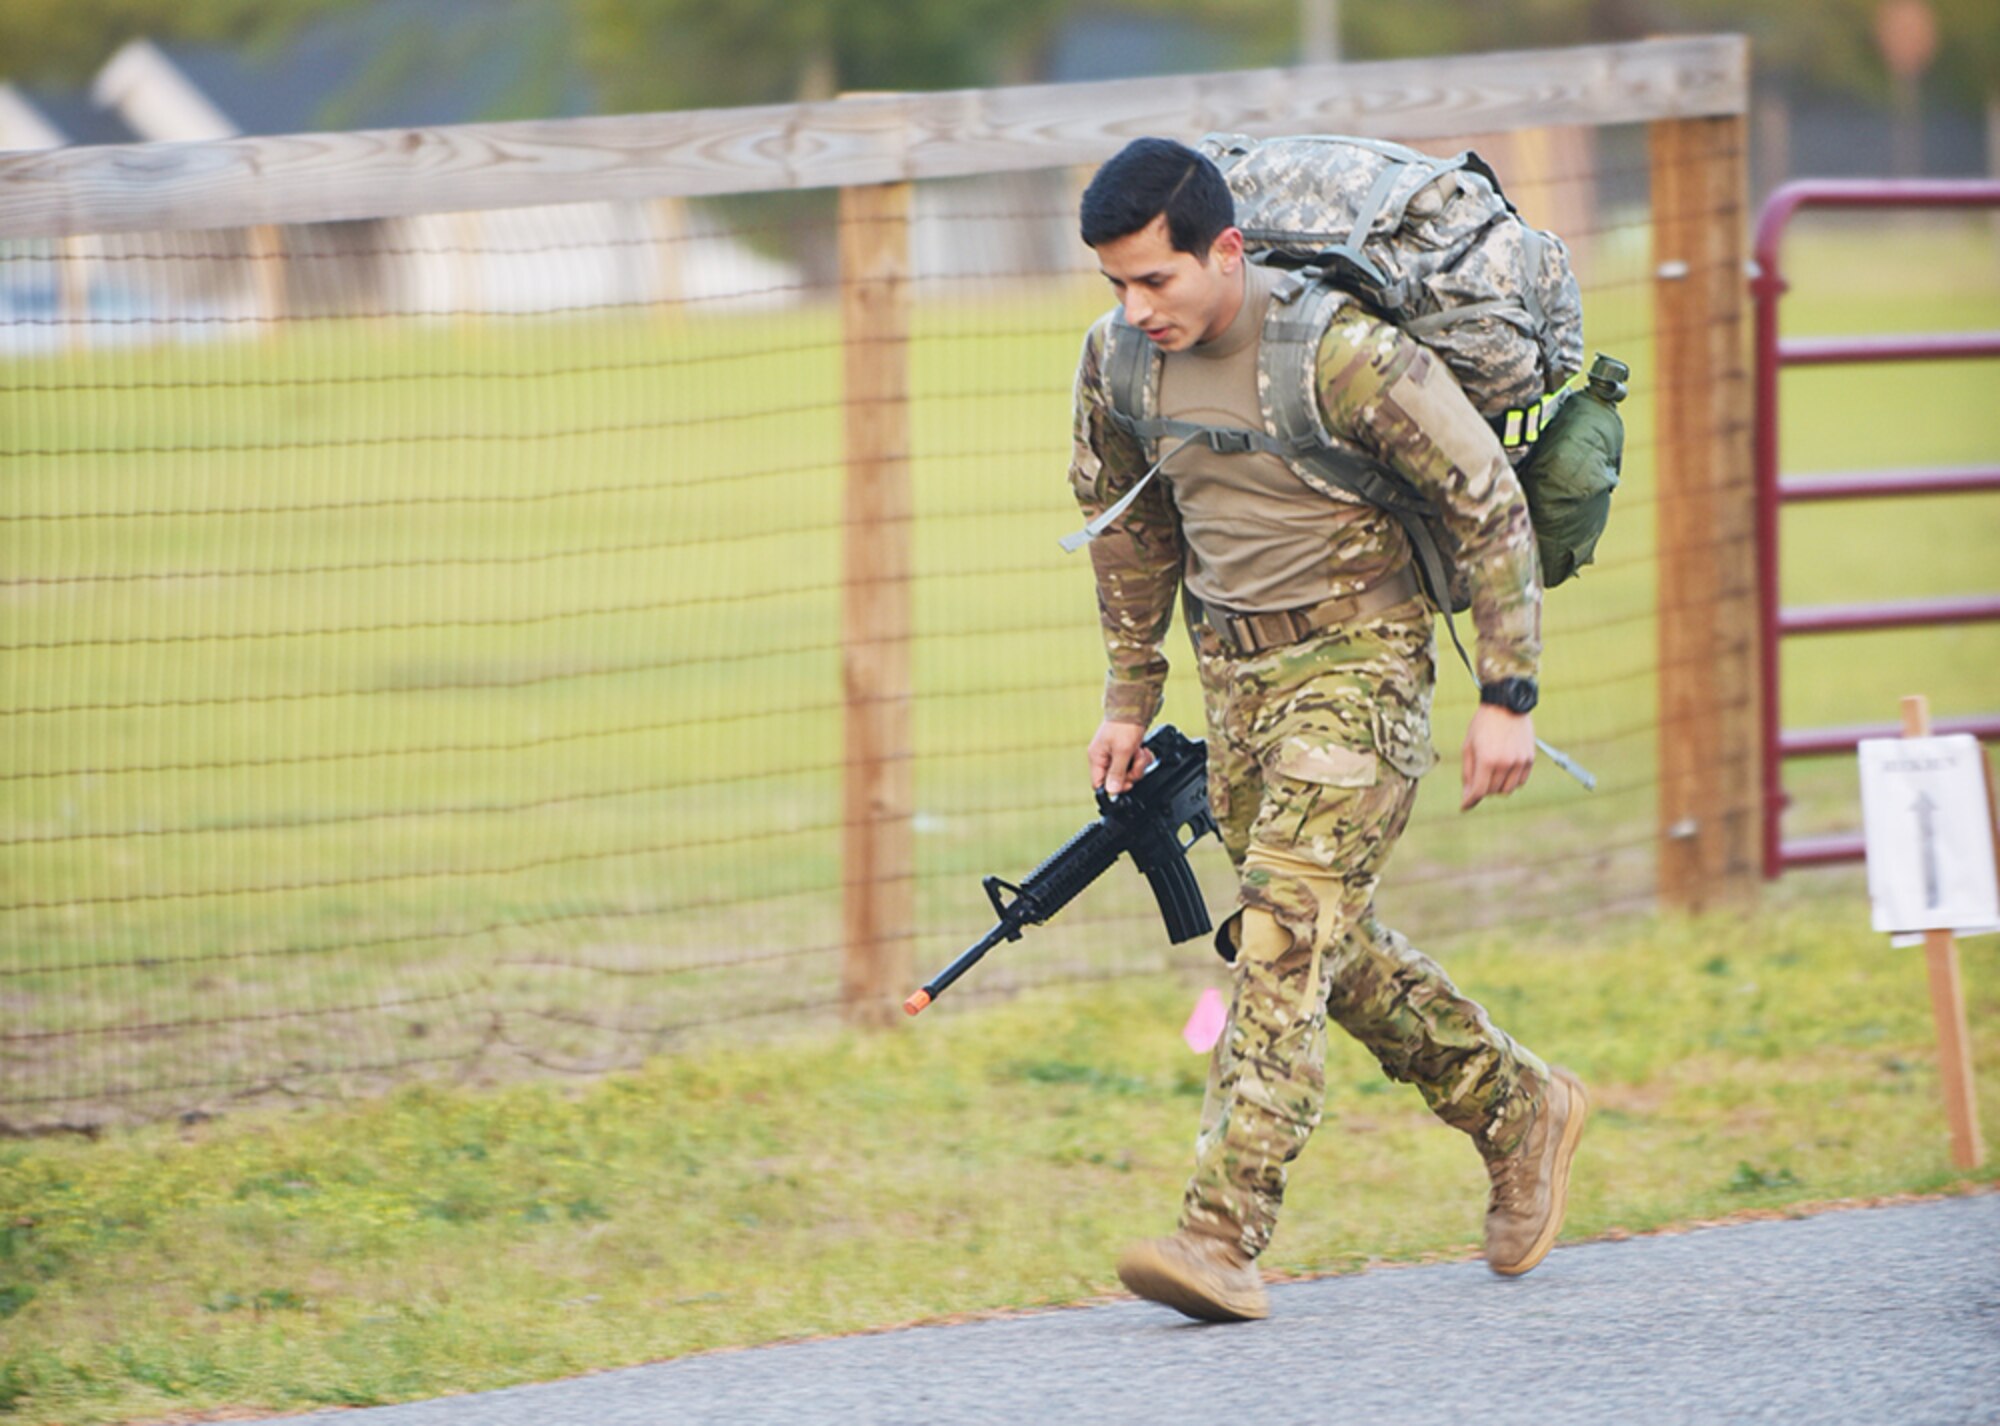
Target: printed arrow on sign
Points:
(1927, 844)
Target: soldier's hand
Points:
(1499, 754)
(1118, 755)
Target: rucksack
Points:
(1431, 244)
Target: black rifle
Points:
(1146, 820)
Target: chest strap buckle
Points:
(1226, 442)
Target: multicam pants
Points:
(1314, 750)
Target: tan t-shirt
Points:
(1258, 538)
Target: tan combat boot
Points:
(1531, 1184)
(1195, 1274)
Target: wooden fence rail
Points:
(309, 178)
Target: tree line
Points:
(637, 55)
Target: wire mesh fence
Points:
(426, 648)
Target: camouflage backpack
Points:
(1434, 246)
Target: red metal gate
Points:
(1766, 287)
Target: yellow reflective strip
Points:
(1534, 423)
(1513, 436)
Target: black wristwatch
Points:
(1516, 695)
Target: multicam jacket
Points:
(1389, 397)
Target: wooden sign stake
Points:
(1948, 1004)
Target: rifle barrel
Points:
(940, 982)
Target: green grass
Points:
(439, 1240)
(490, 714)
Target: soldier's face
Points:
(1175, 298)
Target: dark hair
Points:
(1149, 177)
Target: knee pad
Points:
(1295, 889)
(1264, 942)
(1260, 935)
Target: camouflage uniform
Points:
(1314, 750)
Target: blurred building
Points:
(584, 257)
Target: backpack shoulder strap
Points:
(1302, 311)
(1131, 376)
(1132, 385)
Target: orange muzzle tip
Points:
(916, 1002)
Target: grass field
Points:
(385, 695)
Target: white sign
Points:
(1930, 834)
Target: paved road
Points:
(1879, 1317)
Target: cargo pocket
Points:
(1324, 764)
(1403, 737)
(1306, 772)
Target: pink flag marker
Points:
(1204, 1026)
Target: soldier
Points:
(1315, 649)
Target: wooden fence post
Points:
(877, 858)
(669, 217)
(267, 275)
(1709, 755)
(73, 273)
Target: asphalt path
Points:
(1884, 1316)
